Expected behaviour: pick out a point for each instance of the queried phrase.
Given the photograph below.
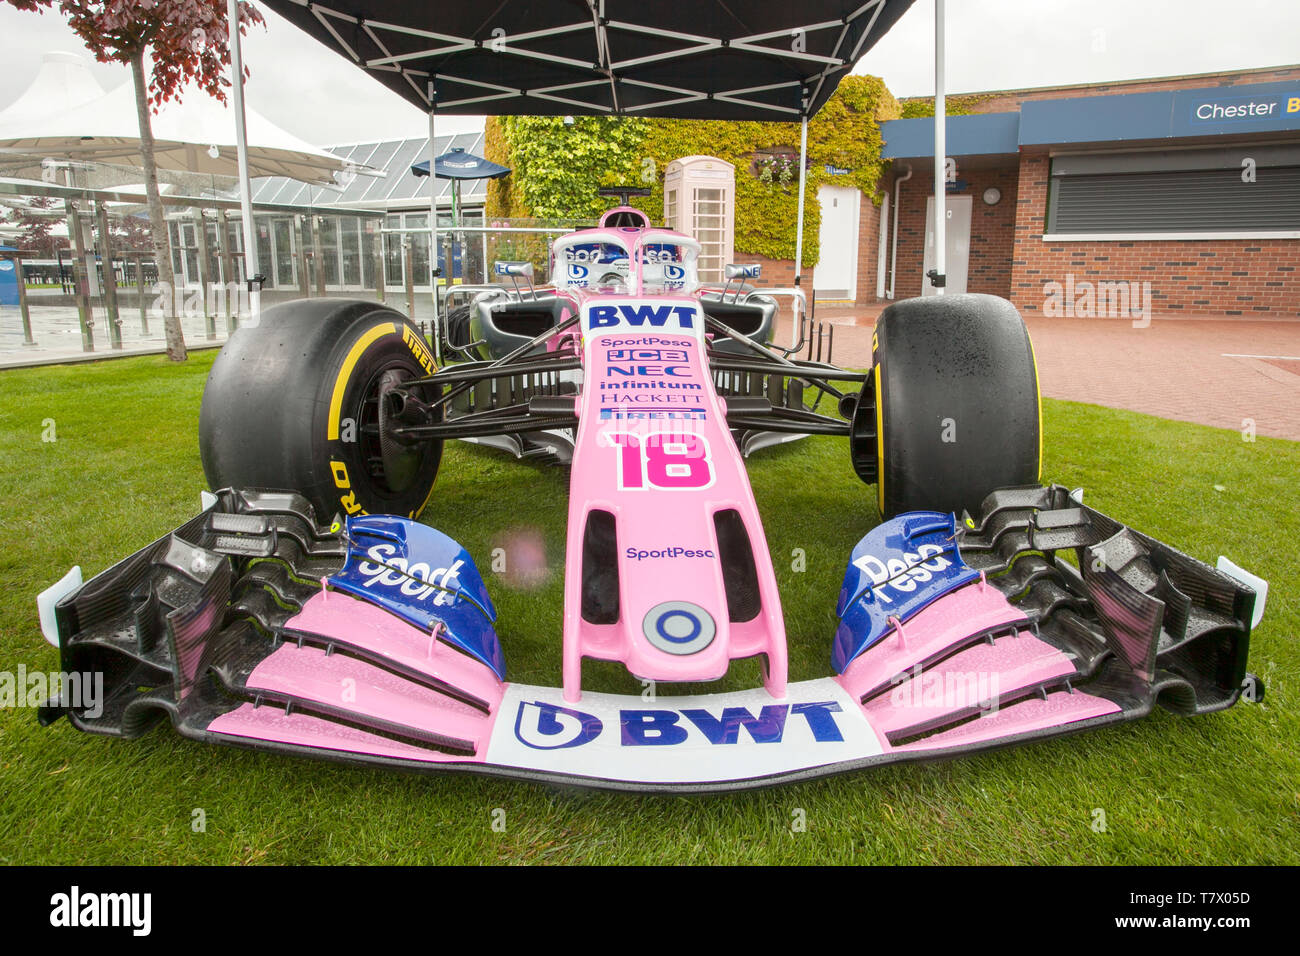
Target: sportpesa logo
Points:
(417, 581)
(641, 554)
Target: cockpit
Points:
(625, 256)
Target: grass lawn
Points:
(125, 469)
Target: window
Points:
(1247, 190)
(393, 252)
(709, 228)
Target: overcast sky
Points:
(992, 44)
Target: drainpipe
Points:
(893, 250)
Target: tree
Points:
(186, 41)
(36, 226)
(129, 233)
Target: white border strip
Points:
(1155, 236)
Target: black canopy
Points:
(695, 59)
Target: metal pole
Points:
(317, 255)
(380, 264)
(251, 268)
(300, 231)
(139, 294)
(408, 270)
(434, 264)
(798, 236)
(228, 282)
(940, 154)
(22, 298)
(79, 281)
(110, 278)
(205, 272)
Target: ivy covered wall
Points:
(558, 168)
(960, 105)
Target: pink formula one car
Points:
(963, 626)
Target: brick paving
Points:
(1212, 371)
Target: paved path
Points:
(1219, 372)
(57, 331)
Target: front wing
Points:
(226, 628)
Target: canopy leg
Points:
(251, 269)
(798, 236)
(435, 269)
(938, 277)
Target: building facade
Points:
(1180, 196)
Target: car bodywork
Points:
(374, 639)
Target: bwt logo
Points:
(543, 726)
(640, 316)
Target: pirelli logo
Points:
(418, 349)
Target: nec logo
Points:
(543, 726)
(640, 316)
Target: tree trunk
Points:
(157, 220)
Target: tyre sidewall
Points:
(339, 473)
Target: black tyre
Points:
(956, 403)
(292, 403)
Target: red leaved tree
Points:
(36, 218)
(186, 43)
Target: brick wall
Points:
(1235, 277)
(991, 231)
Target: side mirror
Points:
(516, 269)
(751, 270)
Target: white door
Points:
(836, 274)
(956, 244)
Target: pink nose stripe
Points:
(940, 626)
(270, 723)
(356, 623)
(366, 693)
(968, 682)
(1058, 709)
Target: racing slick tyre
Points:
(294, 403)
(956, 403)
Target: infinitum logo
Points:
(77, 909)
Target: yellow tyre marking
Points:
(880, 445)
(1038, 397)
(349, 363)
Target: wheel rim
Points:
(394, 467)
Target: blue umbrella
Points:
(458, 164)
